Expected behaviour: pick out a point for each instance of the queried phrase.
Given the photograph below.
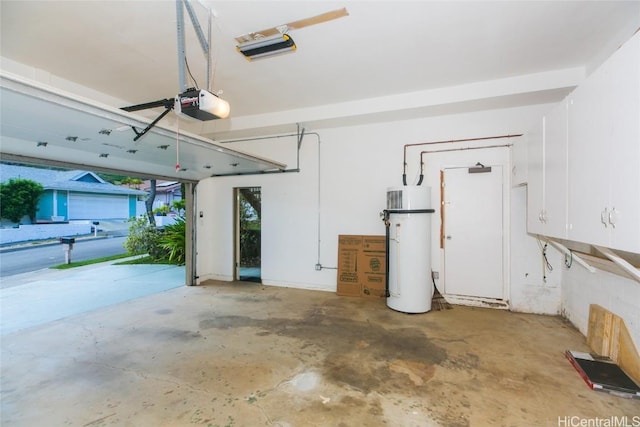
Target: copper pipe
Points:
(457, 149)
(404, 156)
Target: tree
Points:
(132, 182)
(19, 198)
(149, 202)
(253, 199)
(249, 228)
(179, 206)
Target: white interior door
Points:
(473, 231)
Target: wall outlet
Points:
(436, 275)
(318, 267)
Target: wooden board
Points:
(607, 335)
(295, 25)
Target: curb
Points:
(19, 246)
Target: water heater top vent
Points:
(394, 199)
(408, 197)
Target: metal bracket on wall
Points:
(562, 248)
(480, 168)
(166, 103)
(626, 266)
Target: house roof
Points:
(162, 186)
(72, 180)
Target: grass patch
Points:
(146, 260)
(141, 260)
(89, 262)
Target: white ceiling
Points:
(386, 60)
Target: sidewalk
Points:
(16, 246)
(47, 295)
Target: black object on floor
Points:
(250, 279)
(602, 374)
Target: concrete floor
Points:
(248, 355)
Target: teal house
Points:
(78, 195)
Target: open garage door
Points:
(41, 122)
(44, 125)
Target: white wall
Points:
(620, 295)
(534, 287)
(25, 233)
(357, 164)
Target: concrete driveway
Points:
(46, 295)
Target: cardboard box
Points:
(374, 244)
(372, 275)
(361, 266)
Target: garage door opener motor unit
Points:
(201, 105)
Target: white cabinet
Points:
(588, 167)
(535, 180)
(555, 171)
(519, 162)
(604, 154)
(547, 175)
(624, 149)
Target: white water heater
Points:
(408, 222)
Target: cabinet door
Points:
(555, 172)
(588, 188)
(623, 146)
(519, 161)
(535, 179)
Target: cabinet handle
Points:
(604, 217)
(543, 216)
(613, 217)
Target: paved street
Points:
(31, 258)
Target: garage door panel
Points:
(98, 206)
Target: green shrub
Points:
(179, 206)
(167, 244)
(144, 238)
(162, 210)
(19, 198)
(172, 240)
(250, 247)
